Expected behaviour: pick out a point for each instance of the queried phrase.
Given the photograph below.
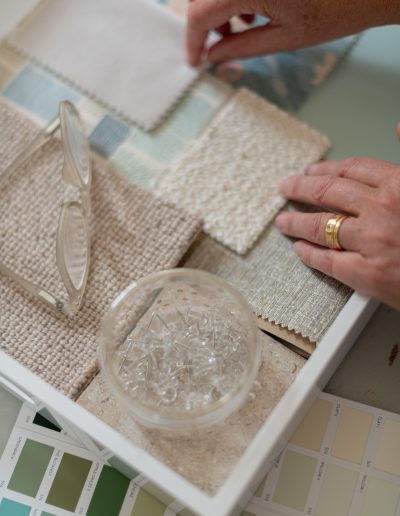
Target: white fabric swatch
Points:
(229, 176)
(129, 54)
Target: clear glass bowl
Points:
(179, 349)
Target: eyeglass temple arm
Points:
(35, 145)
(37, 291)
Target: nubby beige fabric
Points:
(230, 175)
(132, 234)
(206, 458)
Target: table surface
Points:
(358, 107)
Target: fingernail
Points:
(280, 221)
(284, 185)
(302, 249)
(312, 169)
(298, 247)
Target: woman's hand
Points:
(368, 191)
(293, 24)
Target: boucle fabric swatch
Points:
(132, 234)
(206, 458)
(230, 175)
(276, 283)
(128, 54)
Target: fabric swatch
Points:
(229, 176)
(132, 234)
(284, 78)
(128, 54)
(276, 283)
(206, 458)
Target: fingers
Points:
(335, 193)
(252, 42)
(346, 267)
(311, 227)
(365, 170)
(203, 16)
(207, 15)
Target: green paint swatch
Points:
(69, 482)
(31, 467)
(44, 513)
(145, 504)
(337, 491)
(294, 481)
(44, 418)
(12, 508)
(381, 498)
(109, 493)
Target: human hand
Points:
(293, 24)
(368, 191)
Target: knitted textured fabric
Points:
(230, 174)
(132, 234)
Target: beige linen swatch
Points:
(230, 175)
(132, 234)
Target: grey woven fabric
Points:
(278, 286)
(132, 234)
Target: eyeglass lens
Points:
(77, 143)
(74, 244)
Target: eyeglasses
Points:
(73, 243)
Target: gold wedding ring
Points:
(332, 231)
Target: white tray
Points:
(233, 496)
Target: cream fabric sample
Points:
(132, 234)
(206, 458)
(128, 54)
(230, 175)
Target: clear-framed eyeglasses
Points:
(73, 239)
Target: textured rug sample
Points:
(132, 234)
(207, 458)
(128, 54)
(230, 175)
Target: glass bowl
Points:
(179, 349)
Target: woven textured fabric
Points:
(207, 458)
(230, 174)
(132, 234)
(278, 286)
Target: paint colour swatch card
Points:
(343, 460)
(46, 470)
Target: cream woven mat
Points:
(132, 234)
